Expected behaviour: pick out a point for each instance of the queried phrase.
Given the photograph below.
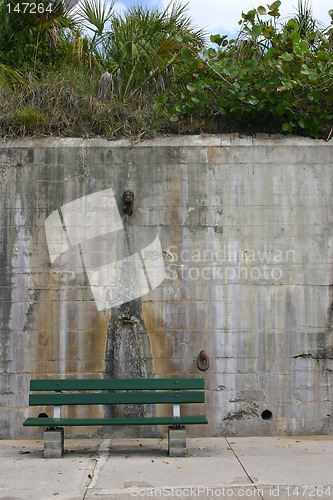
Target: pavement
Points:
(236, 467)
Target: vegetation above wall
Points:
(88, 71)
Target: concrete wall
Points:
(246, 231)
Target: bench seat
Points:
(59, 422)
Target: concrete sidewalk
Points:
(266, 468)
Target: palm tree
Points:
(47, 23)
(310, 29)
(92, 16)
(304, 18)
(21, 27)
(144, 43)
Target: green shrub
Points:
(272, 78)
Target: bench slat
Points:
(88, 398)
(52, 422)
(116, 384)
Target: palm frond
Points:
(144, 41)
(9, 76)
(304, 18)
(95, 14)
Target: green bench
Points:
(63, 392)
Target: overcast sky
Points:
(222, 16)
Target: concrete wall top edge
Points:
(224, 140)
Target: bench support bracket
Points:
(177, 441)
(54, 442)
(176, 410)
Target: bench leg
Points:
(177, 441)
(54, 442)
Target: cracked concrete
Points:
(263, 468)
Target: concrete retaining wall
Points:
(245, 226)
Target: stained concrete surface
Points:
(256, 467)
(245, 225)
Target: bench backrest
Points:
(131, 391)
